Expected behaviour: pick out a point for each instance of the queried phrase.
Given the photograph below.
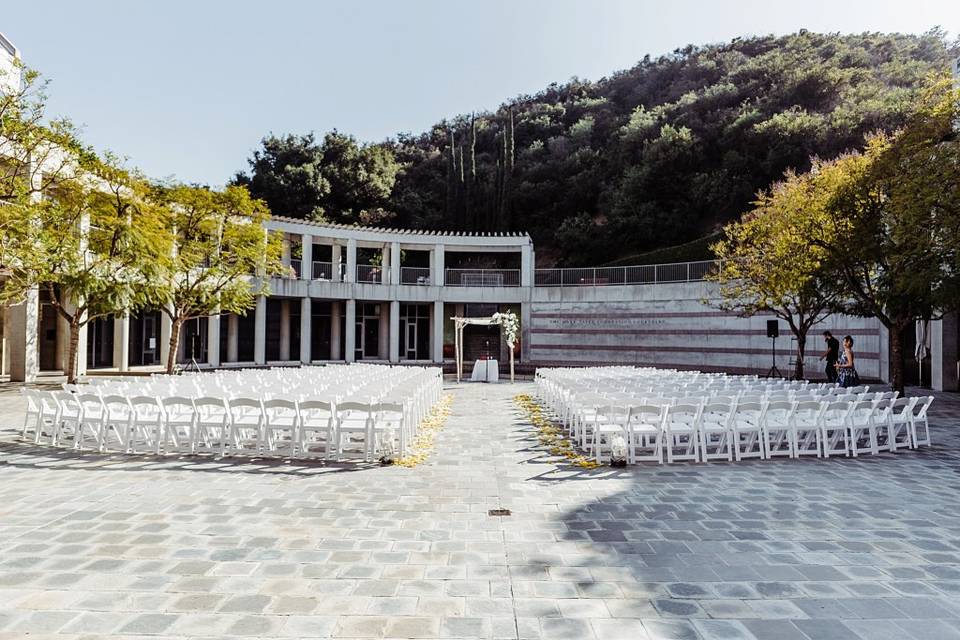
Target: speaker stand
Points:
(773, 372)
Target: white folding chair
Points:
(148, 426)
(280, 420)
(389, 428)
(212, 423)
(317, 428)
(747, 430)
(920, 424)
(900, 423)
(91, 419)
(246, 425)
(714, 428)
(180, 418)
(778, 432)
(861, 428)
(680, 432)
(117, 416)
(32, 417)
(805, 425)
(834, 433)
(645, 434)
(611, 421)
(354, 430)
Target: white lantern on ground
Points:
(388, 451)
(618, 451)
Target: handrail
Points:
(613, 276)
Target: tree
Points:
(892, 233)
(287, 173)
(38, 152)
(94, 244)
(337, 180)
(768, 264)
(218, 248)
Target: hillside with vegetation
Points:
(657, 155)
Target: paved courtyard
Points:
(108, 546)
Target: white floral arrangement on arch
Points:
(511, 326)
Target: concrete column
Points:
(166, 328)
(260, 332)
(336, 351)
(395, 331)
(285, 330)
(306, 330)
(350, 330)
(351, 272)
(383, 343)
(5, 365)
(437, 337)
(437, 268)
(306, 257)
(213, 340)
(395, 263)
(233, 337)
(336, 252)
(526, 266)
(525, 331)
(23, 338)
(386, 264)
(82, 349)
(944, 353)
(284, 250)
(121, 342)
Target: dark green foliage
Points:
(652, 156)
(337, 180)
(669, 150)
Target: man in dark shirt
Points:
(831, 355)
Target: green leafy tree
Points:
(95, 244)
(287, 173)
(768, 263)
(894, 223)
(337, 180)
(219, 255)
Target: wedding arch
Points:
(507, 320)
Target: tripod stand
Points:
(773, 372)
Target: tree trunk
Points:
(72, 347)
(174, 344)
(801, 348)
(896, 358)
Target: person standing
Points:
(847, 374)
(831, 355)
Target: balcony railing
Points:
(369, 273)
(482, 277)
(322, 270)
(296, 269)
(415, 275)
(611, 276)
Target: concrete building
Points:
(351, 294)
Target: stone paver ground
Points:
(115, 546)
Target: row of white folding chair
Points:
(692, 431)
(240, 424)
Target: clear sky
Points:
(188, 88)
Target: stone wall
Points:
(675, 326)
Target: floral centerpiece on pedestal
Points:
(511, 329)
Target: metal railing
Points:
(482, 277)
(370, 273)
(415, 275)
(611, 276)
(322, 270)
